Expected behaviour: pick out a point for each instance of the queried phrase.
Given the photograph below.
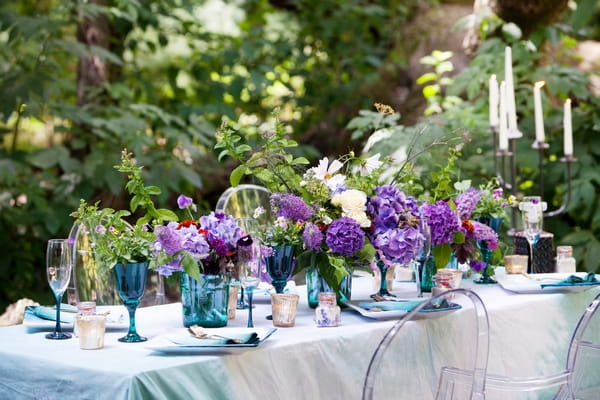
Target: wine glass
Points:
(131, 283)
(532, 213)
(58, 269)
(422, 254)
(249, 262)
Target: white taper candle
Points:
(503, 137)
(539, 117)
(568, 130)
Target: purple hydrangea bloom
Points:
(313, 237)
(442, 221)
(290, 206)
(399, 244)
(466, 202)
(222, 226)
(183, 202)
(484, 232)
(169, 268)
(345, 237)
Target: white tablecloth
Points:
(529, 336)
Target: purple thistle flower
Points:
(168, 237)
(345, 237)
(466, 202)
(442, 221)
(313, 237)
(183, 202)
(290, 206)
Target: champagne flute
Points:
(423, 253)
(58, 269)
(532, 213)
(249, 262)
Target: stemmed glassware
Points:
(59, 263)
(532, 212)
(249, 263)
(131, 283)
(423, 254)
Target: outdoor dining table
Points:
(529, 336)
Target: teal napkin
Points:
(67, 313)
(390, 305)
(189, 340)
(574, 280)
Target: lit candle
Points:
(511, 108)
(493, 102)
(503, 142)
(568, 130)
(539, 118)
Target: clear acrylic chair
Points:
(447, 355)
(242, 201)
(92, 281)
(579, 380)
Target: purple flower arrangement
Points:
(212, 242)
(452, 230)
(394, 233)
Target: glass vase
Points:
(486, 253)
(315, 284)
(131, 282)
(204, 302)
(427, 272)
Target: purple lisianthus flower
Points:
(477, 266)
(290, 206)
(100, 229)
(313, 237)
(345, 237)
(183, 202)
(442, 221)
(466, 202)
(400, 244)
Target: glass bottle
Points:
(565, 262)
(327, 312)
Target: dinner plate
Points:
(162, 344)
(396, 314)
(542, 283)
(117, 319)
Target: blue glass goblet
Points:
(131, 282)
(280, 265)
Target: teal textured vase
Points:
(427, 273)
(131, 282)
(486, 253)
(204, 302)
(315, 283)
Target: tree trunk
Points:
(92, 71)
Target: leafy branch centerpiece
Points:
(117, 245)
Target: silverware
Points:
(200, 333)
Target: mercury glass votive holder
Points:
(284, 307)
(91, 329)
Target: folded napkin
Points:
(189, 340)
(574, 280)
(390, 305)
(67, 313)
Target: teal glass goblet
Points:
(131, 282)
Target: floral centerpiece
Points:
(455, 233)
